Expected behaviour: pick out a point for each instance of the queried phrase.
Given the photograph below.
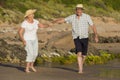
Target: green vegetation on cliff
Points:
(13, 10)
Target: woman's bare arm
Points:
(43, 25)
(21, 31)
(59, 21)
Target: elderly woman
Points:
(29, 38)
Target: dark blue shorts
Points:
(81, 45)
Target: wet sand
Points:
(110, 71)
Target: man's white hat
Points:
(80, 6)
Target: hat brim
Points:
(80, 8)
(33, 11)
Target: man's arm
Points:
(95, 32)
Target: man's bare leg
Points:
(80, 62)
(83, 57)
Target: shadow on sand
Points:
(64, 68)
(13, 66)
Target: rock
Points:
(12, 53)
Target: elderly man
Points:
(80, 23)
